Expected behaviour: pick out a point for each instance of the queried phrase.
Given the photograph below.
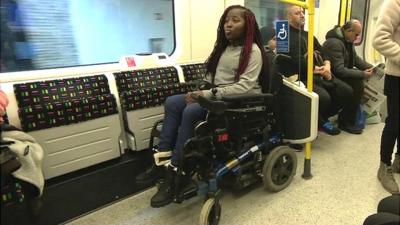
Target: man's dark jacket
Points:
(343, 56)
(297, 52)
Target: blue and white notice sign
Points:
(282, 35)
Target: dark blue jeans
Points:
(178, 126)
(391, 130)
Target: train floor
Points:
(343, 190)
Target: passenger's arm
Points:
(388, 22)
(334, 50)
(360, 63)
(247, 81)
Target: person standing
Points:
(387, 41)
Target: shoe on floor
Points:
(352, 129)
(165, 191)
(330, 129)
(385, 176)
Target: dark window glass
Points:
(358, 11)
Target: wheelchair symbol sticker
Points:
(282, 36)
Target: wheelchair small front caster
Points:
(210, 212)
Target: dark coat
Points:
(343, 56)
(297, 52)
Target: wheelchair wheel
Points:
(210, 213)
(279, 168)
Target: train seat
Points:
(143, 92)
(74, 119)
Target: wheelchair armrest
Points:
(217, 107)
(266, 97)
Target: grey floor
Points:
(344, 190)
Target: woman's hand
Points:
(191, 96)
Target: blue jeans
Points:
(178, 126)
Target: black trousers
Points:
(391, 130)
(332, 99)
(349, 114)
(388, 212)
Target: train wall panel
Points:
(141, 122)
(73, 147)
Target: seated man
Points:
(348, 66)
(331, 98)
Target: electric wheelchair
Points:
(244, 140)
(239, 144)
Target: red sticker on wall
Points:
(130, 61)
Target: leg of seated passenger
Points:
(192, 114)
(340, 94)
(324, 104)
(174, 106)
(347, 117)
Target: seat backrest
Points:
(52, 103)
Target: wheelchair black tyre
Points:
(279, 168)
(210, 212)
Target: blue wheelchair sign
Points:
(282, 36)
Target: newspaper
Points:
(373, 97)
(376, 80)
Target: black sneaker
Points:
(352, 129)
(329, 129)
(151, 175)
(165, 192)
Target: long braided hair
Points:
(253, 35)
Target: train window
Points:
(266, 11)
(358, 11)
(39, 34)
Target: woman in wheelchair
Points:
(237, 65)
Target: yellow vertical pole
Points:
(310, 73)
(310, 5)
(348, 10)
(343, 9)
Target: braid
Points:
(248, 44)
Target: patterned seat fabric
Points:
(147, 87)
(53, 103)
(193, 73)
